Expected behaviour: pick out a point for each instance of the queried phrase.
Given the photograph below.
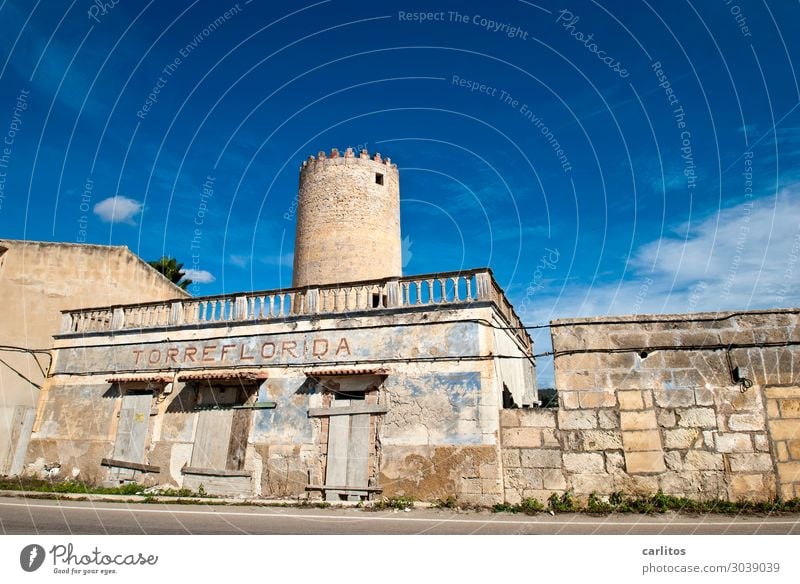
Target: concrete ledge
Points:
(132, 465)
(349, 410)
(212, 472)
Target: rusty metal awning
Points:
(334, 372)
(141, 377)
(221, 374)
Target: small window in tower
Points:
(378, 178)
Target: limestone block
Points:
(513, 496)
(782, 451)
(585, 483)
(772, 409)
(782, 392)
(578, 362)
(492, 486)
(702, 460)
(540, 458)
(509, 418)
(630, 400)
(750, 462)
(784, 429)
(524, 478)
(601, 440)
(674, 398)
(597, 399)
(568, 400)
(607, 419)
(697, 418)
(584, 462)
(761, 442)
(510, 457)
(550, 438)
(645, 462)
(789, 472)
(733, 443)
(745, 485)
(673, 460)
(790, 408)
(746, 422)
(522, 437)
(703, 396)
(615, 462)
(645, 420)
(642, 440)
(647, 396)
(681, 438)
(794, 449)
(576, 381)
(553, 479)
(577, 420)
(536, 418)
(490, 471)
(666, 418)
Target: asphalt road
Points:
(38, 516)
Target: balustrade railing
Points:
(415, 291)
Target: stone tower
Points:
(348, 220)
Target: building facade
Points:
(420, 386)
(37, 280)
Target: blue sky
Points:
(601, 158)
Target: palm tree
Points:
(172, 270)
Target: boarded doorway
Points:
(349, 432)
(129, 444)
(221, 438)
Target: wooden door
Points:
(134, 420)
(348, 450)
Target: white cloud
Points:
(118, 209)
(240, 261)
(199, 276)
(286, 260)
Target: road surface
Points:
(40, 516)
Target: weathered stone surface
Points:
(615, 462)
(645, 462)
(568, 400)
(794, 449)
(761, 442)
(577, 420)
(702, 460)
(540, 458)
(523, 478)
(753, 487)
(697, 418)
(782, 451)
(630, 400)
(790, 408)
(607, 419)
(597, 399)
(733, 443)
(642, 440)
(746, 422)
(537, 418)
(509, 418)
(789, 472)
(681, 438)
(703, 396)
(584, 462)
(587, 483)
(666, 418)
(784, 429)
(601, 440)
(750, 462)
(522, 437)
(550, 438)
(673, 460)
(645, 420)
(674, 398)
(554, 479)
(782, 392)
(510, 457)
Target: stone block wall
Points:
(649, 403)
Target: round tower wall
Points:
(348, 220)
